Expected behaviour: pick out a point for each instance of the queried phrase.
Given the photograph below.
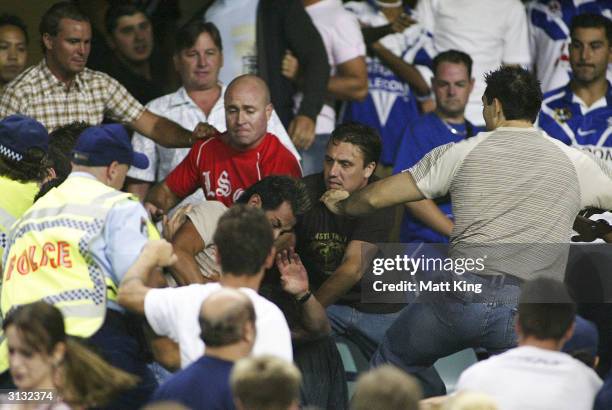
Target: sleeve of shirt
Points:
(9, 102)
(145, 146)
(516, 41)
(435, 172)
(594, 178)
(161, 310)
(348, 43)
(184, 179)
(125, 234)
(275, 126)
(120, 105)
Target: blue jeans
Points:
(366, 330)
(432, 328)
(312, 158)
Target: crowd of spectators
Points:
(189, 213)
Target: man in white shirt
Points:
(537, 375)
(244, 250)
(198, 59)
(491, 32)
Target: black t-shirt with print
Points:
(322, 238)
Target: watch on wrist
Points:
(304, 298)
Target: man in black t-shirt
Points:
(331, 246)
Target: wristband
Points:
(304, 298)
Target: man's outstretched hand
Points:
(203, 131)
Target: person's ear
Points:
(255, 201)
(269, 110)
(269, 262)
(369, 169)
(58, 354)
(47, 41)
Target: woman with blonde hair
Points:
(46, 363)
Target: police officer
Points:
(23, 149)
(73, 246)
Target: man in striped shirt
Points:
(515, 195)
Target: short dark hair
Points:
(364, 137)
(12, 20)
(113, 14)
(517, 90)
(50, 21)
(244, 239)
(592, 21)
(188, 34)
(227, 328)
(61, 143)
(546, 310)
(32, 168)
(276, 189)
(453, 56)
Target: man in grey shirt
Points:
(515, 194)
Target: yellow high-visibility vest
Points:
(49, 258)
(15, 199)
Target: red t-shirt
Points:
(224, 173)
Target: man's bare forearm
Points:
(185, 271)
(314, 318)
(402, 69)
(132, 289)
(162, 197)
(393, 190)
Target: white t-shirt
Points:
(236, 21)
(491, 32)
(530, 378)
(343, 41)
(174, 312)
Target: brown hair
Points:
(87, 380)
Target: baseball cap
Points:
(585, 338)
(101, 145)
(19, 133)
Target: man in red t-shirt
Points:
(224, 165)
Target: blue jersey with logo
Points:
(549, 29)
(565, 118)
(390, 104)
(418, 139)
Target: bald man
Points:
(227, 320)
(227, 163)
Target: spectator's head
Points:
(244, 241)
(247, 111)
(512, 93)
(452, 83)
(351, 157)
(584, 342)
(282, 198)
(130, 33)
(13, 47)
(227, 324)
(386, 388)
(42, 356)
(61, 143)
(24, 143)
(66, 39)
(266, 383)
(198, 55)
(106, 152)
(590, 49)
(546, 313)
(468, 400)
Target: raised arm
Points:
(393, 190)
(133, 288)
(168, 133)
